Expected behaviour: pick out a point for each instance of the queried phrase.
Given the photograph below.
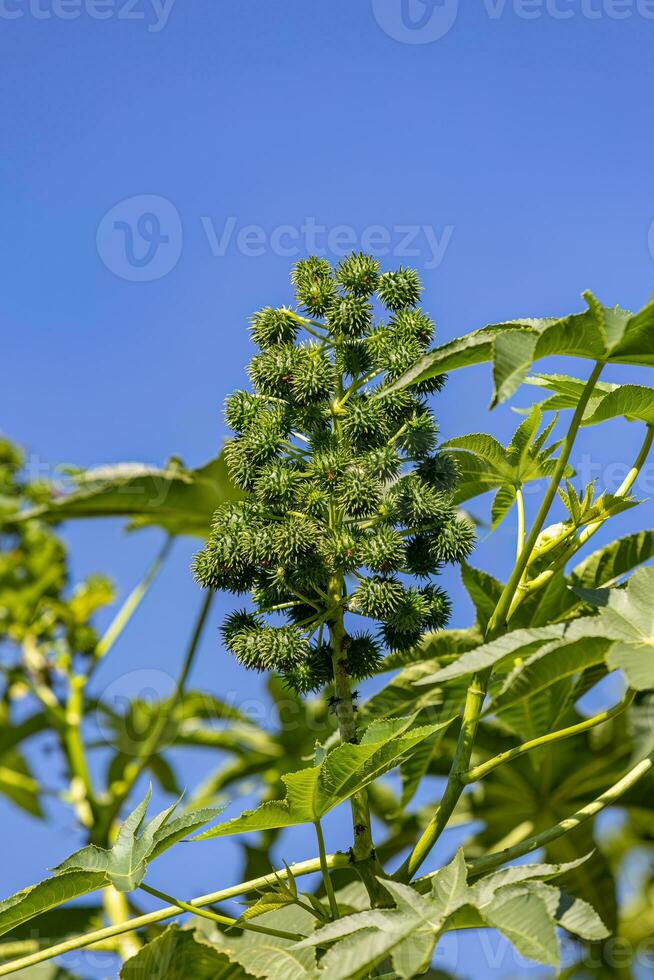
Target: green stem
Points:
(329, 888)
(473, 775)
(498, 624)
(520, 504)
(170, 912)
(131, 604)
(481, 866)
(222, 920)
(498, 620)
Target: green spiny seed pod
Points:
(349, 316)
(277, 483)
(313, 376)
(364, 655)
(241, 409)
(400, 289)
(341, 478)
(382, 550)
(413, 325)
(314, 285)
(271, 327)
(377, 597)
(366, 423)
(455, 540)
(440, 472)
(359, 494)
(382, 462)
(359, 274)
(439, 607)
(272, 371)
(340, 550)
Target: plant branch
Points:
(481, 866)
(170, 912)
(473, 775)
(520, 504)
(499, 618)
(222, 920)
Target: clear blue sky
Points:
(514, 151)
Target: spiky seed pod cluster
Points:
(342, 482)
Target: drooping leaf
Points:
(179, 500)
(484, 591)
(18, 784)
(518, 643)
(599, 333)
(46, 895)
(312, 792)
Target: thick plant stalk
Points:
(498, 623)
(170, 912)
(363, 850)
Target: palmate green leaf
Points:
(526, 910)
(599, 333)
(180, 954)
(46, 895)
(124, 865)
(524, 918)
(484, 464)
(313, 792)
(628, 619)
(272, 957)
(179, 500)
